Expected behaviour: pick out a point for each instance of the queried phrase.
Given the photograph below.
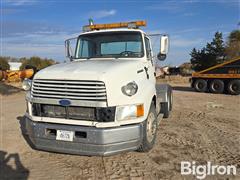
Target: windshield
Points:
(110, 44)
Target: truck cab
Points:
(105, 99)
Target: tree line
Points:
(216, 52)
(36, 62)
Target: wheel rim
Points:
(234, 87)
(216, 86)
(151, 127)
(200, 85)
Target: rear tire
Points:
(234, 87)
(149, 130)
(217, 86)
(200, 85)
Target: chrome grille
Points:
(69, 89)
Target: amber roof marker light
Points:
(130, 25)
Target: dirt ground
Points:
(202, 127)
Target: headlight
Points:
(130, 89)
(129, 112)
(26, 84)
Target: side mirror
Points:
(70, 45)
(161, 57)
(164, 46)
(67, 49)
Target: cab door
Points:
(150, 64)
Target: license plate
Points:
(63, 135)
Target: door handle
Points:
(146, 71)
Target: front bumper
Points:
(96, 141)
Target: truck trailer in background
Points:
(221, 78)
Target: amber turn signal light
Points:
(140, 110)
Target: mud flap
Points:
(164, 91)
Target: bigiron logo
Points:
(201, 171)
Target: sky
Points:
(39, 27)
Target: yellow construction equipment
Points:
(14, 76)
(3, 75)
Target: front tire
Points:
(149, 130)
(234, 87)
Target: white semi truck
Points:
(105, 100)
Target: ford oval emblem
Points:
(65, 102)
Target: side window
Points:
(148, 48)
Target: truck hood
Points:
(115, 73)
(88, 69)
